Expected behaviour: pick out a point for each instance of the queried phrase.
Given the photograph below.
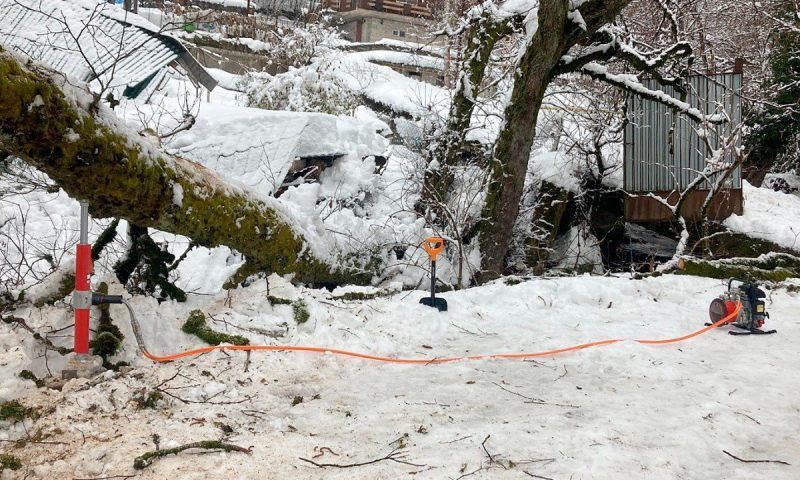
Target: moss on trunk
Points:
(551, 203)
(772, 268)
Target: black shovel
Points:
(434, 246)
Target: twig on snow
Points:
(754, 461)
(536, 401)
(491, 457)
(144, 461)
(395, 455)
(456, 440)
(536, 476)
(106, 478)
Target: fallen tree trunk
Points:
(771, 267)
(56, 127)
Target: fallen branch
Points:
(536, 401)
(148, 458)
(106, 478)
(395, 455)
(491, 457)
(754, 461)
(536, 476)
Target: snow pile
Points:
(311, 88)
(768, 215)
(390, 88)
(400, 58)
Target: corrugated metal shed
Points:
(94, 42)
(662, 149)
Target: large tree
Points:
(60, 128)
(558, 37)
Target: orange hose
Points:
(425, 361)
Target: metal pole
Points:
(84, 238)
(82, 296)
(433, 279)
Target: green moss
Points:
(104, 239)
(105, 345)
(65, 287)
(28, 375)
(245, 275)
(13, 411)
(9, 462)
(297, 400)
(770, 271)
(278, 300)
(196, 325)
(109, 337)
(150, 400)
(300, 311)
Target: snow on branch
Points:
(632, 84)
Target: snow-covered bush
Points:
(312, 88)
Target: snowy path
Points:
(622, 411)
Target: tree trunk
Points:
(510, 163)
(91, 155)
(774, 267)
(551, 203)
(481, 40)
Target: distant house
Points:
(373, 20)
(96, 42)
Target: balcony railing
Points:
(389, 6)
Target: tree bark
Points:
(551, 203)
(48, 123)
(510, 163)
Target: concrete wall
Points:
(231, 61)
(378, 25)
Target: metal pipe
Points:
(84, 238)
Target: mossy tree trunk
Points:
(91, 155)
(551, 203)
(775, 267)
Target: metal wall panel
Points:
(662, 149)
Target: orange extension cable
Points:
(419, 361)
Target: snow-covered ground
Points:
(620, 411)
(771, 215)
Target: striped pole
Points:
(82, 296)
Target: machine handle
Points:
(434, 246)
(101, 299)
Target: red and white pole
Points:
(82, 297)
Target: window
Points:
(399, 33)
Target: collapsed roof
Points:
(95, 42)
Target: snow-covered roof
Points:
(93, 41)
(258, 147)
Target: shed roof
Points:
(93, 41)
